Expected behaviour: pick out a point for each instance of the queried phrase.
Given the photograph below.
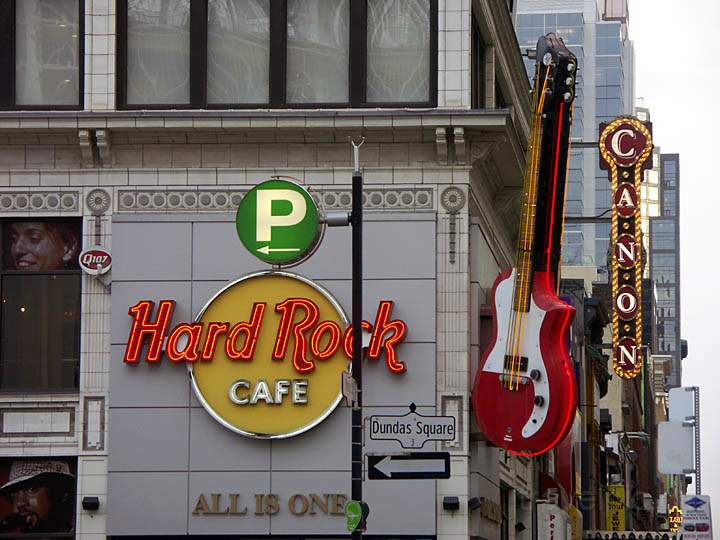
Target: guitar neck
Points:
(542, 216)
(526, 234)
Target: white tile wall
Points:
(453, 53)
(100, 55)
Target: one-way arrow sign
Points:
(410, 466)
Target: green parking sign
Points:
(278, 222)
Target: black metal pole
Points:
(357, 462)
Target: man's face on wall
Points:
(32, 503)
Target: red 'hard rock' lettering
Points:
(312, 340)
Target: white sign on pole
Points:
(675, 448)
(412, 430)
(682, 404)
(697, 519)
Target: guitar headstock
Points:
(556, 69)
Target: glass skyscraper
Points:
(665, 265)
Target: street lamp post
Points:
(357, 276)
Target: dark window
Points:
(318, 51)
(500, 101)
(276, 53)
(398, 46)
(238, 42)
(40, 314)
(477, 76)
(663, 235)
(669, 173)
(669, 202)
(158, 45)
(666, 295)
(41, 54)
(505, 512)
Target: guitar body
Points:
(515, 419)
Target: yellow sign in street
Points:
(615, 506)
(675, 517)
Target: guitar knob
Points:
(539, 400)
(535, 374)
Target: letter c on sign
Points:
(234, 392)
(616, 142)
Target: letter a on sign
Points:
(278, 222)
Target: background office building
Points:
(598, 35)
(665, 266)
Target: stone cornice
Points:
(214, 120)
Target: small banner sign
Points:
(615, 509)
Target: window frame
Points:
(8, 98)
(77, 271)
(357, 68)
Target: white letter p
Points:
(265, 218)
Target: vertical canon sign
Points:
(625, 146)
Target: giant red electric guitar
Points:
(525, 391)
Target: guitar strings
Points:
(526, 258)
(518, 323)
(519, 285)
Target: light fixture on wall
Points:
(474, 503)
(91, 504)
(451, 504)
(519, 527)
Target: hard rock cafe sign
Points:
(267, 354)
(625, 146)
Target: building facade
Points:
(665, 265)
(139, 126)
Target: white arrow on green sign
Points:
(278, 222)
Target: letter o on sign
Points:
(626, 303)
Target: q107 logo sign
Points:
(278, 222)
(625, 148)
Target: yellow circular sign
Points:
(263, 379)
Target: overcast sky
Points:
(678, 75)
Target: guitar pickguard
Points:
(529, 348)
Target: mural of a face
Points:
(33, 504)
(38, 246)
